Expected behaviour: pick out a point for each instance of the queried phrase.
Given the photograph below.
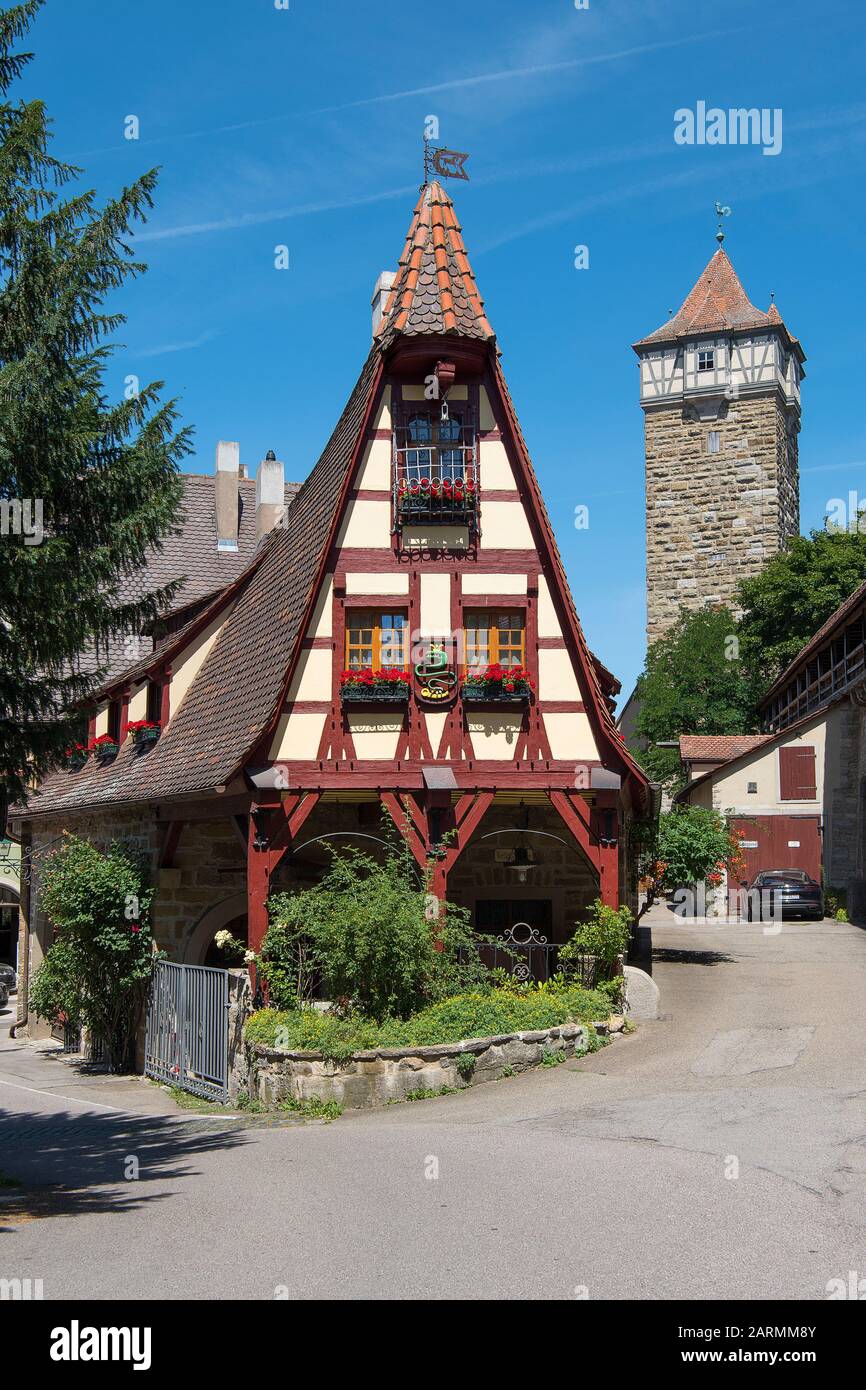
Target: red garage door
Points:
(780, 842)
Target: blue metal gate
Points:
(187, 1029)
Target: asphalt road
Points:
(719, 1152)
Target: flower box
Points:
(442, 503)
(499, 685)
(103, 748)
(144, 731)
(76, 757)
(386, 687)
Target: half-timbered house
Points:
(406, 640)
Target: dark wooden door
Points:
(780, 842)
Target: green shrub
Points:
(98, 970)
(314, 1108)
(604, 936)
(364, 933)
(461, 1017)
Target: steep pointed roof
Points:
(435, 290)
(718, 303)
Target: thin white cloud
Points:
(431, 89)
(178, 347)
(257, 219)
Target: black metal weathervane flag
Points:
(448, 164)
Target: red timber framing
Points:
(273, 826)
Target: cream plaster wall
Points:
(486, 418)
(494, 736)
(435, 724)
(496, 471)
(475, 583)
(548, 623)
(435, 605)
(375, 737)
(186, 666)
(321, 623)
(377, 584)
(375, 470)
(435, 538)
(730, 789)
(313, 676)
(504, 526)
(297, 737)
(366, 525)
(570, 737)
(556, 678)
(138, 704)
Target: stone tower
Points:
(720, 391)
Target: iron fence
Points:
(187, 1029)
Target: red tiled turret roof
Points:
(718, 303)
(435, 290)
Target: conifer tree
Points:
(87, 486)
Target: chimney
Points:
(270, 494)
(227, 474)
(384, 286)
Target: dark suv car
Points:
(790, 890)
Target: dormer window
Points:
(706, 361)
(435, 468)
(154, 702)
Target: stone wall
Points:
(714, 519)
(374, 1078)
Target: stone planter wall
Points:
(374, 1078)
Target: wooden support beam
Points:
(575, 813)
(405, 824)
(469, 823)
(169, 836)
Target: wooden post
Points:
(607, 829)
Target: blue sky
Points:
(304, 127)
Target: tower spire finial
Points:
(721, 212)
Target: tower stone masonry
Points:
(720, 391)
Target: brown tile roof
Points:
(435, 290)
(235, 693)
(717, 303)
(190, 553)
(718, 748)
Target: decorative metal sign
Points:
(448, 164)
(437, 681)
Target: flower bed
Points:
(498, 685)
(302, 1053)
(389, 686)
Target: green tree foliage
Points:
(364, 930)
(98, 969)
(694, 682)
(794, 594)
(105, 475)
(604, 935)
(687, 845)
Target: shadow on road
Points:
(663, 955)
(67, 1166)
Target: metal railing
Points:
(187, 1029)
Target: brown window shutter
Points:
(797, 774)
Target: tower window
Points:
(706, 361)
(714, 442)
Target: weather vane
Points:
(449, 164)
(721, 212)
